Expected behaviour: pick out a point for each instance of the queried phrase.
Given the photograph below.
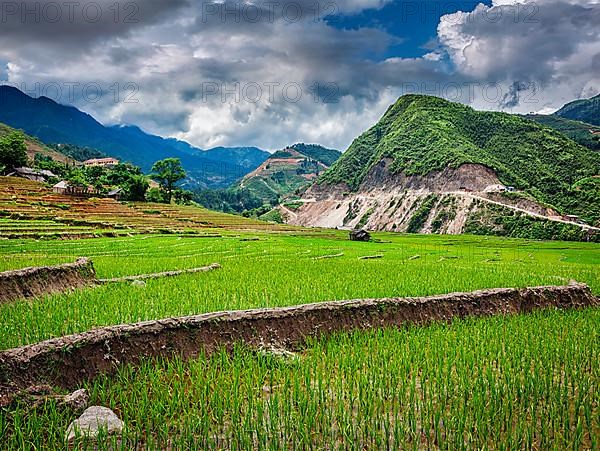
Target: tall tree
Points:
(167, 173)
(13, 151)
(135, 188)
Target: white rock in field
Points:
(78, 399)
(278, 352)
(138, 283)
(92, 421)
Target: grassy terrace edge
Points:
(67, 361)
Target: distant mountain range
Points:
(287, 171)
(53, 123)
(431, 165)
(584, 110)
(579, 120)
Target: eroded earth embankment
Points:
(33, 282)
(39, 281)
(67, 361)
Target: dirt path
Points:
(288, 211)
(37, 281)
(530, 213)
(161, 274)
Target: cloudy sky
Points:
(269, 73)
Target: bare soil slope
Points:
(440, 202)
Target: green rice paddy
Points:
(526, 382)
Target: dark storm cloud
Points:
(195, 65)
(252, 17)
(512, 98)
(77, 23)
(121, 56)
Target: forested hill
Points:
(318, 152)
(585, 110)
(587, 135)
(422, 134)
(287, 171)
(36, 147)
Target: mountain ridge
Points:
(54, 123)
(424, 134)
(583, 133)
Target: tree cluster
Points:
(13, 152)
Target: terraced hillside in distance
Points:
(288, 171)
(31, 210)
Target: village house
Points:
(115, 194)
(66, 188)
(103, 162)
(60, 187)
(36, 175)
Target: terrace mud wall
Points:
(67, 361)
(38, 281)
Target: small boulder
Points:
(94, 420)
(280, 353)
(138, 283)
(77, 400)
(360, 235)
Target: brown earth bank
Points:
(42, 280)
(32, 282)
(67, 361)
(390, 200)
(440, 202)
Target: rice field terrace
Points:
(264, 270)
(23, 204)
(527, 381)
(521, 382)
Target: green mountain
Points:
(287, 171)
(422, 134)
(585, 110)
(317, 152)
(587, 135)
